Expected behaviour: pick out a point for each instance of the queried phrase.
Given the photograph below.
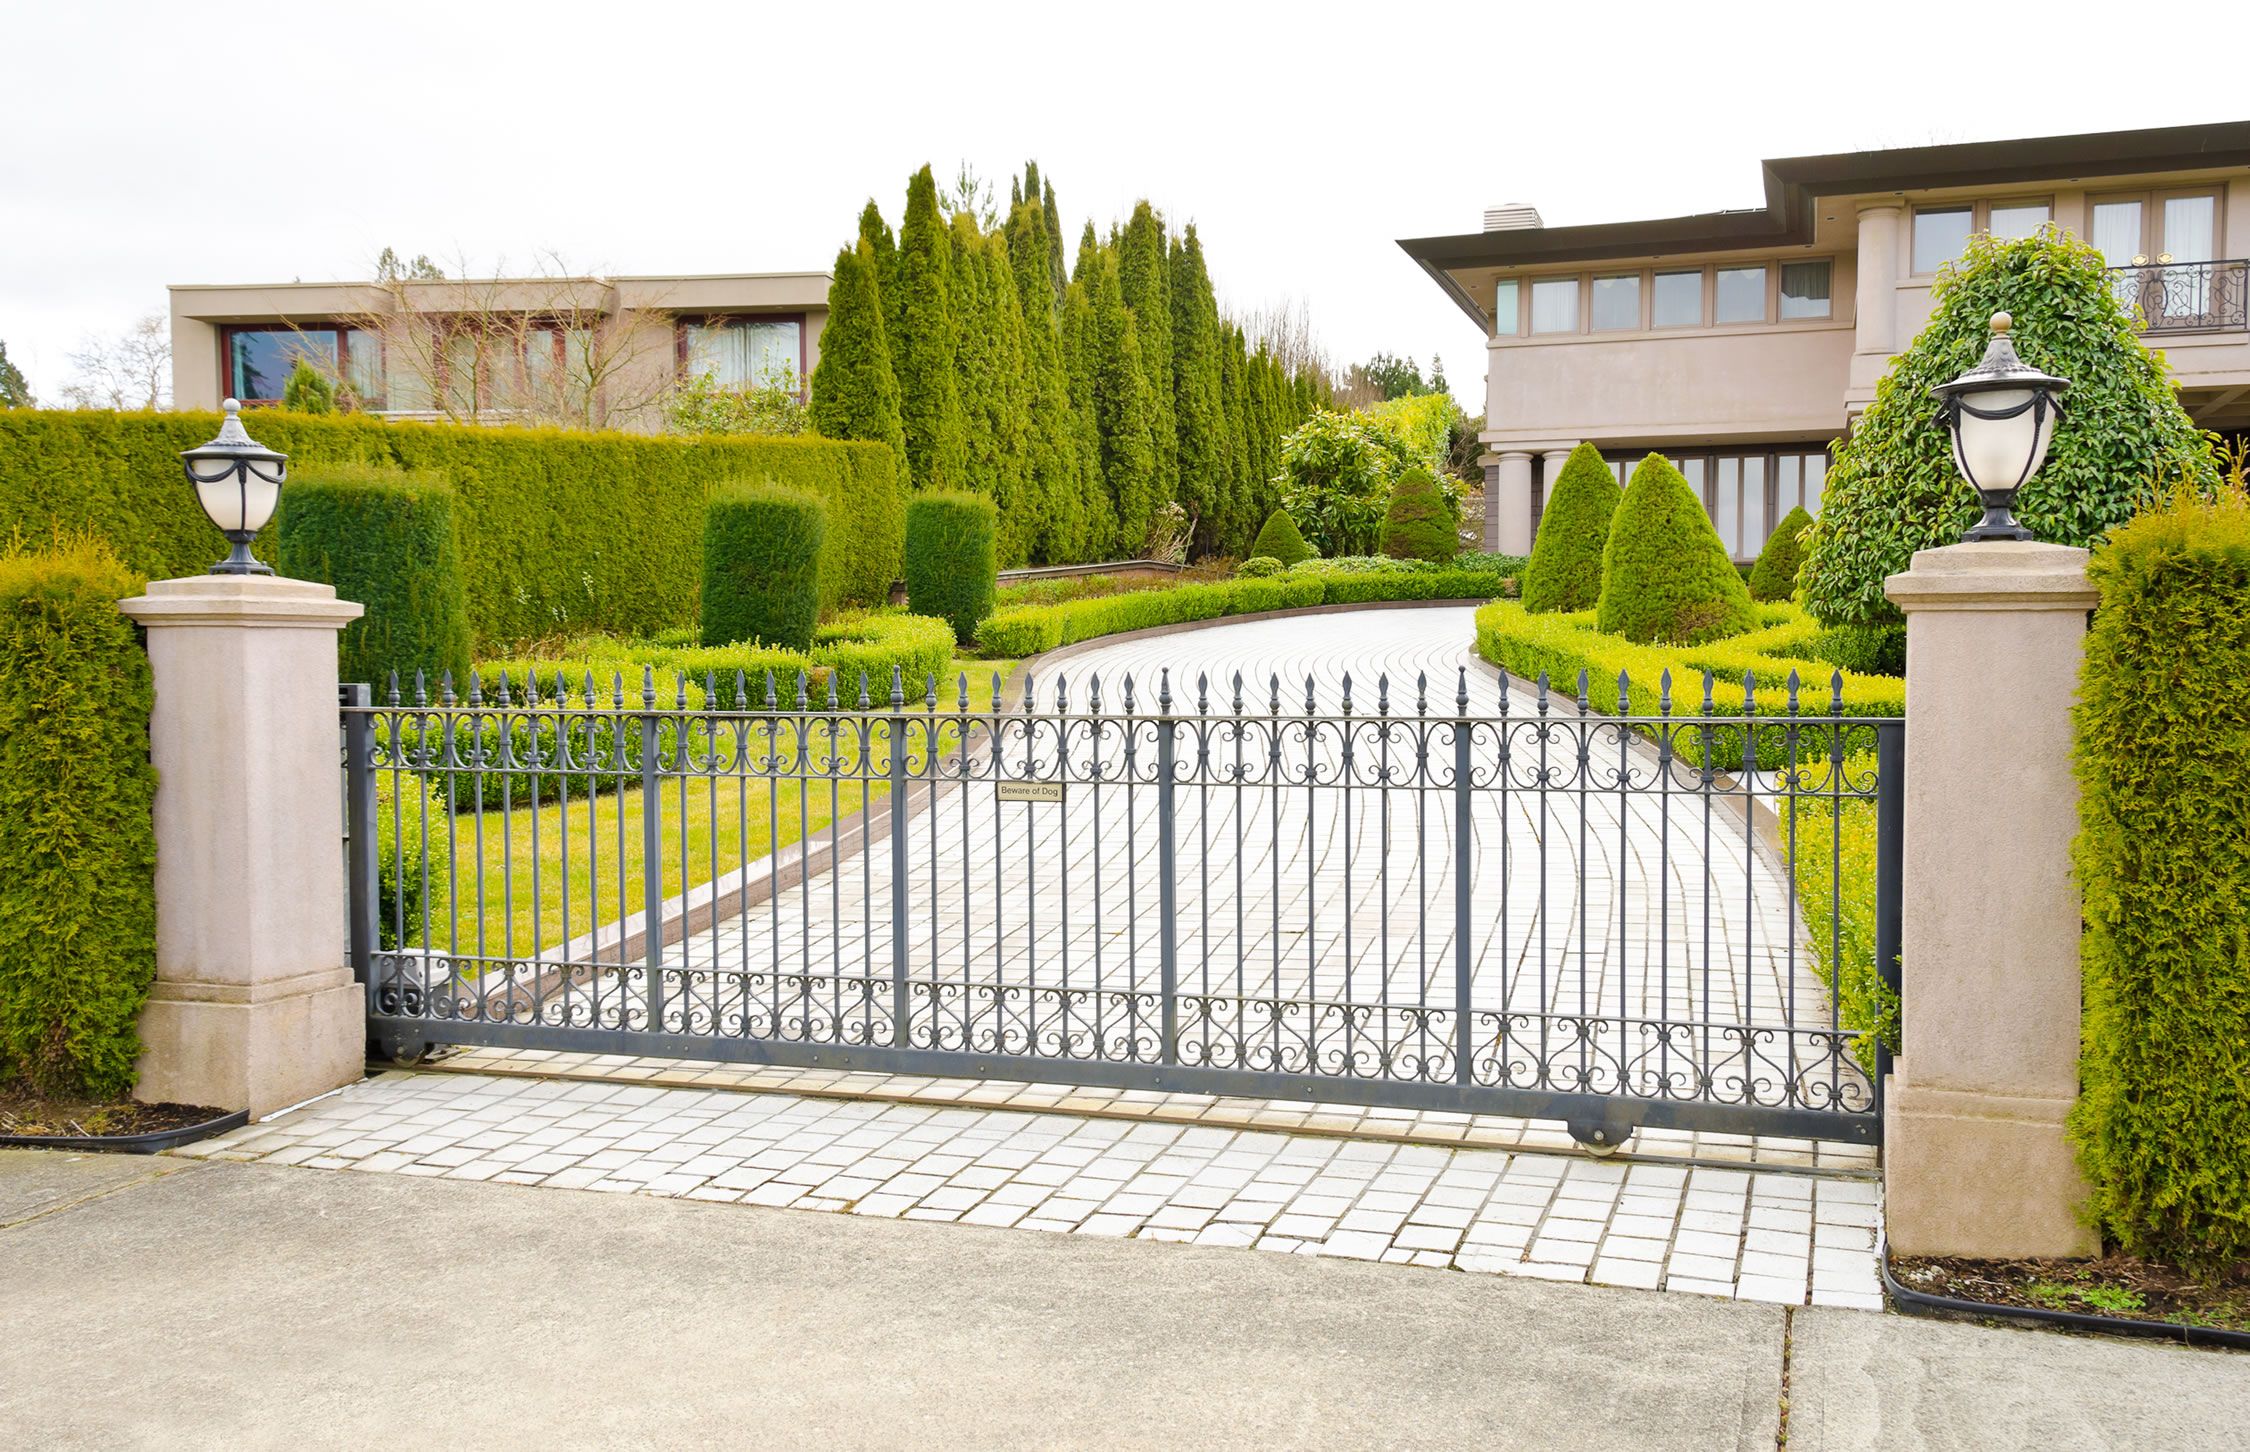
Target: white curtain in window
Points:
(745, 353)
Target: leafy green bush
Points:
(1279, 539)
(411, 883)
(308, 390)
(2163, 860)
(561, 531)
(385, 539)
(1258, 567)
(77, 839)
(1665, 573)
(1893, 489)
(1565, 571)
(952, 558)
(1418, 526)
(1830, 843)
(1774, 577)
(761, 565)
(1869, 649)
(1335, 480)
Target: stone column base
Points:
(259, 1047)
(1980, 1175)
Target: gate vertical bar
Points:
(361, 862)
(652, 855)
(1463, 1029)
(899, 1006)
(1890, 856)
(1167, 890)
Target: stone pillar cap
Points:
(241, 600)
(2000, 574)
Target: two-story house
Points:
(1743, 343)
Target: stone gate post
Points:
(253, 1006)
(1975, 1159)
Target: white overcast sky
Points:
(172, 142)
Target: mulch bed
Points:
(28, 1114)
(2114, 1285)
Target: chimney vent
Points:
(1511, 217)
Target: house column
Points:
(1975, 1159)
(1507, 504)
(1550, 470)
(1875, 308)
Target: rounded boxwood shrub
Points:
(77, 835)
(952, 558)
(2163, 859)
(1279, 539)
(1418, 526)
(761, 565)
(385, 538)
(1894, 490)
(1258, 567)
(1665, 572)
(1565, 572)
(1774, 577)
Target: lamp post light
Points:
(238, 482)
(2001, 416)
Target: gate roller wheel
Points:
(406, 1056)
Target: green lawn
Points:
(589, 853)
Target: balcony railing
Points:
(2187, 297)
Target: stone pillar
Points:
(253, 1006)
(1975, 1159)
(1507, 505)
(1550, 470)
(1875, 302)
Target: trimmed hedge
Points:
(952, 558)
(1565, 570)
(386, 539)
(761, 565)
(1418, 526)
(1875, 650)
(1774, 577)
(1280, 539)
(1665, 573)
(2163, 859)
(1259, 567)
(560, 530)
(77, 838)
(1830, 843)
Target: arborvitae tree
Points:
(1144, 272)
(923, 347)
(854, 390)
(882, 248)
(1666, 577)
(1775, 575)
(308, 390)
(1232, 528)
(1122, 408)
(1417, 525)
(1095, 516)
(1280, 539)
(1565, 572)
(990, 368)
(1054, 459)
(1204, 453)
(1054, 237)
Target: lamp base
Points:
(1998, 522)
(241, 561)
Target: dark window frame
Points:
(343, 331)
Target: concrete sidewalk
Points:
(179, 1304)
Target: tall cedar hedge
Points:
(77, 841)
(952, 567)
(1565, 572)
(1774, 577)
(2163, 860)
(1417, 526)
(385, 538)
(761, 565)
(1893, 489)
(560, 531)
(1665, 572)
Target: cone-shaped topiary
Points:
(761, 565)
(386, 538)
(1280, 540)
(1565, 572)
(1665, 574)
(854, 390)
(952, 563)
(1774, 577)
(1417, 525)
(308, 390)
(1894, 490)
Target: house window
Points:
(742, 353)
(1554, 305)
(1939, 235)
(1804, 289)
(1677, 300)
(1738, 295)
(1504, 301)
(260, 360)
(1617, 302)
(2013, 220)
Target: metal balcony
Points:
(2187, 297)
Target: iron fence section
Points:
(1488, 900)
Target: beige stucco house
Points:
(1743, 343)
(593, 351)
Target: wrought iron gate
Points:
(1494, 899)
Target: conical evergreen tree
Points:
(1096, 516)
(923, 345)
(1144, 272)
(1122, 409)
(876, 233)
(989, 365)
(1200, 413)
(1232, 529)
(1054, 461)
(1666, 577)
(1565, 569)
(1055, 234)
(854, 391)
